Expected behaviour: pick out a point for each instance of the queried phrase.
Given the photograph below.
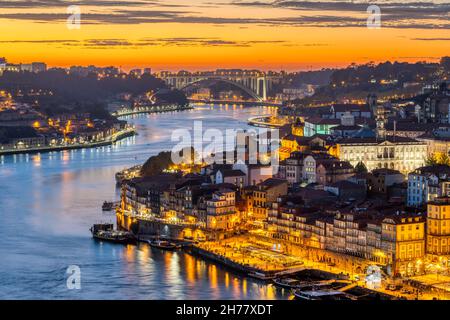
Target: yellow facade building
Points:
(403, 242)
(438, 226)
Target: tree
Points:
(444, 159)
(157, 164)
(360, 167)
(440, 158)
(431, 160)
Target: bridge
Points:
(254, 83)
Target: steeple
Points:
(298, 128)
(380, 117)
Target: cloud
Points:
(39, 41)
(17, 4)
(431, 39)
(394, 14)
(332, 14)
(121, 43)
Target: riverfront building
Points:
(438, 227)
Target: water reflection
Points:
(49, 201)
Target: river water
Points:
(48, 202)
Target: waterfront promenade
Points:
(149, 109)
(48, 148)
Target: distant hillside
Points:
(74, 92)
(385, 79)
(319, 77)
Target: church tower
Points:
(298, 128)
(380, 116)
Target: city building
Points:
(438, 226)
(347, 127)
(315, 125)
(398, 153)
(311, 163)
(337, 111)
(329, 172)
(264, 194)
(380, 179)
(221, 211)
(434, 106)
(236, 177)
(403, 242)
(136, 72)
(294, 167)
(346, 190)
(427, 183)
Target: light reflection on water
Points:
(48, 202)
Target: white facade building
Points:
(427, 183)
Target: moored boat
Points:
(106, 232)
(287, 283)
(321, 295)
(163, 244)
(261, 276)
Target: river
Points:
(48, 202)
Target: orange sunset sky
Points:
(209, 34)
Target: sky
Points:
(208, 34)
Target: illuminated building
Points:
(378, 150)
(398, 153)
(329, 172)
(323, 168)
(236, 177)
(320, 126)
(435, 105)
(298, 128)
(427, 183)
(294, 167)
(292, 143)
(403, 241)
(221, 211)
(337, 111)
(438, 226)
(264, 194)
(397, 241)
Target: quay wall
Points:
(154, 109)
(104, 143)
(225, 261)
(142, 227)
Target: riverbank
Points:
(237, 103)
(150, 109)
(108, 141)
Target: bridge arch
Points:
(247, 90)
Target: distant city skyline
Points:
(210, 34)
(149, 69)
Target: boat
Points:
(163, 244)
(287, 283)
(107, 206)
(322, 295)
(261, 276)
(106, 232)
